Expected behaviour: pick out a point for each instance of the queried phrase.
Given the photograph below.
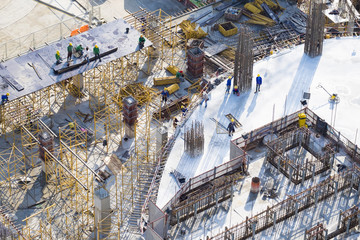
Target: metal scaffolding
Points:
(63, 183)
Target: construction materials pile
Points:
(256, 10)
(192, 30)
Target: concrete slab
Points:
(107, 37)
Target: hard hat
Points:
(235, 87)
(7, 94)
(182, 106)
(141, 35)
(57, 52)
(258, 75)
(96, 46)
(229, 77)
(232, 120)
(70, 44)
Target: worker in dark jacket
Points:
(141, 41)
(258, 83)
(96, 51)
(164, 95)
(231, 127)
(70, 50)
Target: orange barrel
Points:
(255, 185)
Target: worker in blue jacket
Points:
(164, 95)
(258, 83)
(228, 84)
(5, 98)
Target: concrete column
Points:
(291, 170)
(102, 210)
(326, 234)
(332, 160)
(161, 138)
(316, 197)
(177, 217)
(217, 199)
(129, 131)
(303, 176)
(78, 81)
(348, 226)
(351, 184)
(232, 192)
(253, 226)
(313, 172)
(195, 209)
(336, 188)
(274, 219)
(278, 165)
(339, 220)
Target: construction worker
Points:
(228, 84)
(164, 95)
(71, 125)
(79, 50)
(180, 75)
(175, 122)
(58, 58)
(96, 51)
(69, 49)
(205, 98)
(143, 28)
(258, 83)
(184, 110)
(236, 90)
(231, 127)
(141, 41)
(86, 55)
(5, 98)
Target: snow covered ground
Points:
(286, 76)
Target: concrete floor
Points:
(22, 17)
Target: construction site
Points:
(139, 120)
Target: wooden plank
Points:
(237, 123)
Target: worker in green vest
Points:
(141, 41)
(58, 58)
(96, 51)
(69, 49)
(79, 49)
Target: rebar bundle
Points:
(244, 60)
(194, 139)
(315, 29)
